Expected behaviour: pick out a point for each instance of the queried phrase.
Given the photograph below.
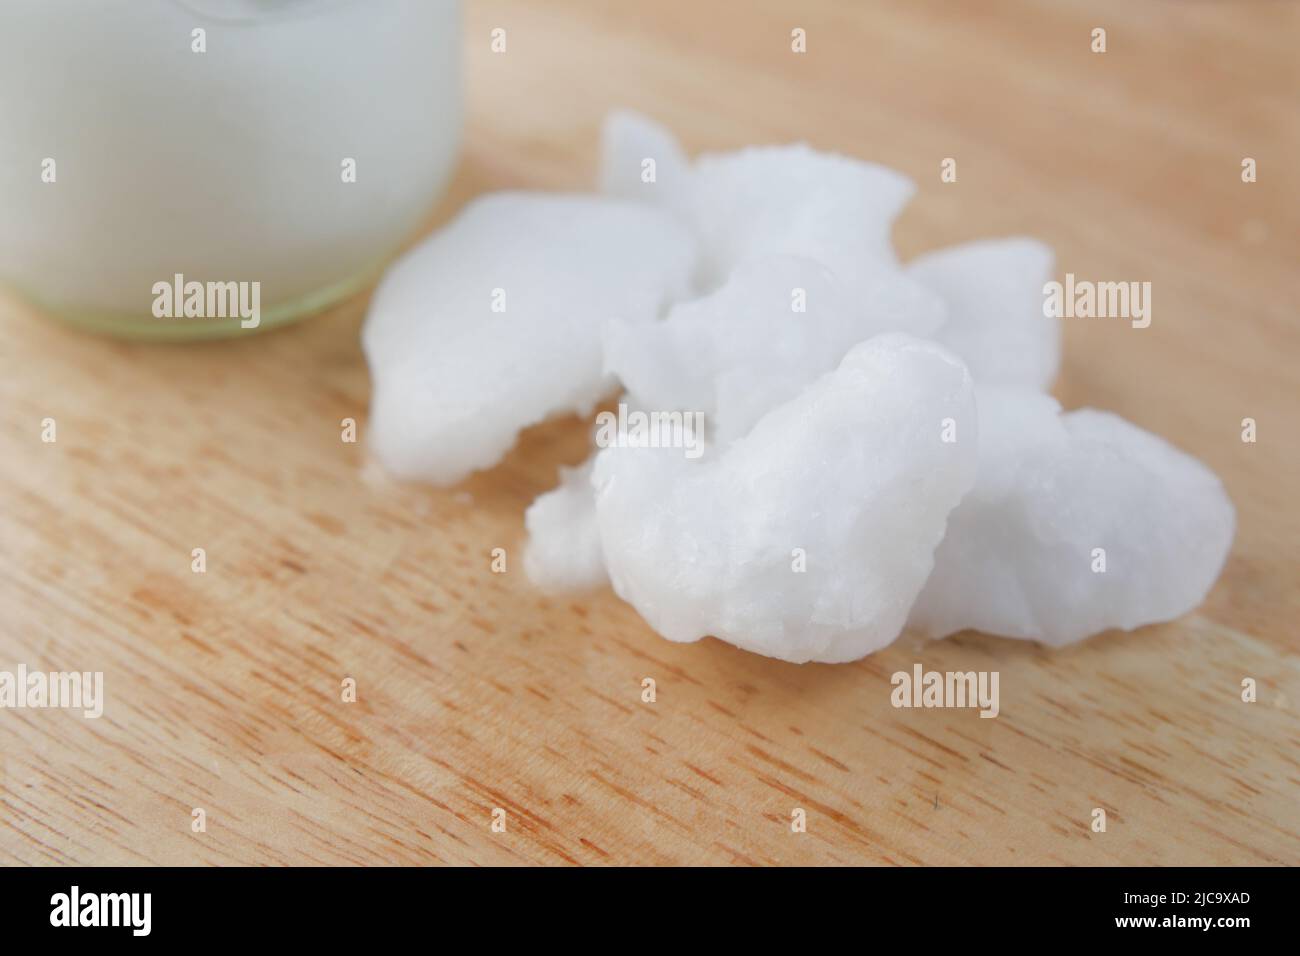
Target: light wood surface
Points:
(475, 691)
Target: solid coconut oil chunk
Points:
(493, 323)
(809, 538)
(263, 157)
(1078, 523)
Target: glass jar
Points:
(277, 150)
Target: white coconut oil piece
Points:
(493, 323)
(809, 538)
(993, 289)
(1078, 523)
(563, 552)
(769, 201)
(290, 144)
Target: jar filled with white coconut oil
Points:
(195, 168)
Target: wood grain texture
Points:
(475, 691)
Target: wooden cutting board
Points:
(475, 692)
